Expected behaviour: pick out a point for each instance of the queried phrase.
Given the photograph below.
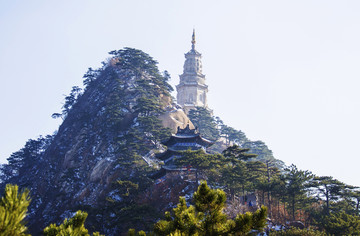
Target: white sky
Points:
(285, 72)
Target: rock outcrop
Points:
(175, 118)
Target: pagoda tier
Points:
(192, 88)
(183, 140)
(186, 139)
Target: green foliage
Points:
(207, 217)
(152, 127)
(135, 61)
(236, 174)
(196, 159)
(234, 152)
(297, 232)
(232, 135)
(214, 128)
(140, 94)
(263, 152)
(70, 101)
(132, 232)
(201, 118)
(329, 189)
(72, 227)
(341, 224)
(90, 76)
(256, 173)
(19, 162)
(244, 223)
(184, 220)
(144, 67)
(130, 215)
(353, 198)
(127, 186)
(269, 182)
(297, 182)
(147, 105)
(210, 204)
(13, 210)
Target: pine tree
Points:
(13, 210)
(235, 174)
(210, 203)
(72, 227)
(249, 222)
(329, 189)
(201, 118)
(235, 152)
(296, 185)
(206, 217)
(196, 159)
(268, 183)
(341, 224)
(90, 77)
(183, 221)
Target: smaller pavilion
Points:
(183, 140)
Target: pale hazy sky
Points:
(285, 72)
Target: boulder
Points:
(175, 118)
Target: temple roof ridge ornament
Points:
(186, 130)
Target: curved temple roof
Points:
(187, 136)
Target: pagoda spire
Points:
(192, 89)
(193, 40)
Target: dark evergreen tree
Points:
(206, 217)
(268, 183)
(21, 161)
(234, 152)
(296, 185)
(354, 196)
(341, 223)
(263, 152)
(202, 119)
(329, 190)
(234, 172)
(198, 160)
(90, 76)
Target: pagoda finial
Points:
(193, 40)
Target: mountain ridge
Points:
(107, 129)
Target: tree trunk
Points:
(263, 197)
(243, 190)
(196, 177)
(293, 208)
(268, 192)
(269, 204)
(278, 205)
(327, 200)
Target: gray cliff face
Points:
(102, 139)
